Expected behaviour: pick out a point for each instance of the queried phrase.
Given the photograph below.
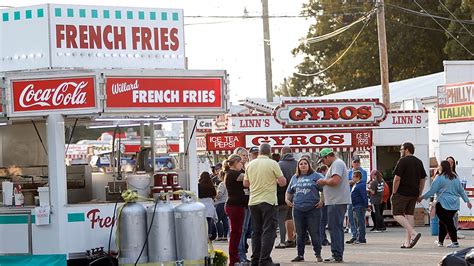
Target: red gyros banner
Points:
(138, 92)
(224, 142)
(53, 94)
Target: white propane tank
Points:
(162, 239)
(191, 230)
(132, 233)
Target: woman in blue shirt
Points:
(303, 196)
(448, 189)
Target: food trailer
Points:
(100, 65)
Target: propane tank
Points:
(162, 239)
(132, 234)
(191, 230)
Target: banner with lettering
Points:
(456, 103)
(53, 95)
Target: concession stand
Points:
(361, 127)
(67, 65)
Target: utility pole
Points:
(383, 57)
(267, 51)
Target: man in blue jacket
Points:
(359, 206)
(355, 167)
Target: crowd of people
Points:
(252, 193)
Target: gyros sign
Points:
(359, 138)
(53, 95)
(330, 113)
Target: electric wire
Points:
(427, 14)
(448, 32)
(454, 16)
(339, 58)
(420, 27)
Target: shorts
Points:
(403, 205)
(289, 214)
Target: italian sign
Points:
(318, 139)
(163, 94)
(456, 103)
(92, 37)
(63, 95)
(330, 113)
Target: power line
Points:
(339, 58)
(427, 15)
(420, 27)
(445, 7)
(450, 34)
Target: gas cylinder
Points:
(132, 233)
(191, 230)
(162, 239)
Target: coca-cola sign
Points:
(53, 95)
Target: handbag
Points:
(432, 207)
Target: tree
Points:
(462, 10)
(416, 45)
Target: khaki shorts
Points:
(403, 205)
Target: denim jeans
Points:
(264, 224)
(359, 218)
(350, 214)
(243, 237)
(211, 229)
(378, 215)
(282, 212)
(222, 221)
(336, 228)
(324, 223)
(307, 221)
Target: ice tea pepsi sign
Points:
(62, 95)
(330, 113)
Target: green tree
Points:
(462, 10)
(415, 46)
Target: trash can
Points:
(434, 225)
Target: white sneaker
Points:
(439, 244)
(461, 236)
(453, 245)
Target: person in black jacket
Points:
(288, 166)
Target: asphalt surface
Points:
(381, 249)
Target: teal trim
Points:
(70, 12)
(141, 15)
(94, 13)
(16, 219)
(76, 217)
(16, 15)
(106, 14)
(28, 14)
(82, 13)
(175, 16)
(34, 260)
(40, 13)
(118, 14)
(129, 14)
(5, 17)
(57, 12)
(164, 16)
(152, 15)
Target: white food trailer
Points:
(108, 65)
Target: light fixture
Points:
(454, 133)
(113, 126)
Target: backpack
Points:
(386, 192)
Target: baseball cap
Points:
(254, 149)
(325, 152)
(218, 166)
(356, 159)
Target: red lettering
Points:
(267, 122)
(105, 35)
(95, 41)
(59, 35)
(156, 39)
(313, 112)
(278, 140)
(135, 37)
(297, 114)
(119, 38)
(146, 39)
(336, 139)
(259, 140)
(318, 139)
(364, 112)
(298, 140)
(71, 34)
(418, 119)
(93, 216)
(331, 113)
(164, 39)
(352, 112)
(83, 37)
(174, 39)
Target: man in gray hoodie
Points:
(288, 167)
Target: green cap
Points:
(325, 152)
